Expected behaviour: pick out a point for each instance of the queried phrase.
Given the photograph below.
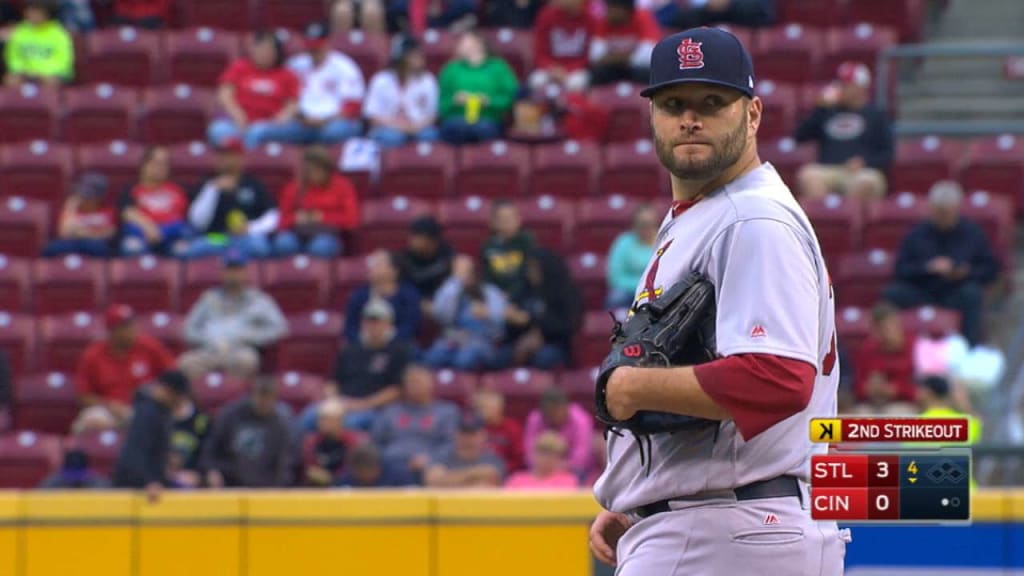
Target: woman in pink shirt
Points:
(570, 421)
(548, 471)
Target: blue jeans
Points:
(134, 241)
(323, 245)
(469, 356)
(253, 245)
(457, 131)
(391, 138)
(360, 420)
(83, 246)
(548, 357)
(258, 133)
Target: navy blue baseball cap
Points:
(708, 55)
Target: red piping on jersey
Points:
(758, 390)
(680, 206)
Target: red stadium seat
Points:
(213, 391)
(299, 389)
(175, 114)
(994, 214)
(15, 282)
(905, 15)
(629, 115)
(297, 284)
(861, 42)
(931, 322)
(119, 161)
(778, 119)
(312, 343)
(591, 346)
(821, 13)
(888, 220)
(99, 113)
(294, 14)
(68, 284)
(492, 170)
(191, 162)
(28, 113)
(45, 402)
(579, 386)
(549, 219)
(238, 15)
(27, 458)
(17, 340)
(996, 164)
(349, 275)
(632, 169)
(522, 388)
(807, 99)
(466, 223)
(102, 448)
(457, 387)
(201, 275)
(368, 50)
(385, 222)
(275, 165)
(787, 157)
(590, 271)
(600, 220)
(515, 46)
(837, 223)
(145, 283)
(862, 276)
(438, 48)
(853, 325)
(421, 171)
(24, 225)
(124, 56)
(567, 169)
(788, 53)
(920, 162)
(63, 338)
(167, 327)
(37, 170)
(198, 56)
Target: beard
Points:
(726, 151)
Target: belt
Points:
(778, 487)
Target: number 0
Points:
(881, 502)
(883, 470)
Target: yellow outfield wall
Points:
(252, 533)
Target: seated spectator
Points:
(854, 138)
(401, 103)
(259, 96)
(87, 225)
(6, 385)
(561, 44)
(684, 14)
(414, 430)
(629, 256)
(884, 381)
(150, 14)
(154, 211)
(945, 261)
(542, 322)
(570, 420)
(366, 15)
(145, 455)
(520, 14)
(230, 323)
(468, 463)
(427, 260)
(191, 427)
(477, 92)
(504, 433)
(548, 471)
(331, 94)
(471, 314)
(77, 16)
(317, 209)
(623, 41)
(75, 473)
(324, 451)
(231, 208)
(416, 16)
(250, 443)
(364, 469)
(110, 371)
(503, 256)
(39, 49)
(384, 282)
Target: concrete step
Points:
(961, 106)
(983, 87)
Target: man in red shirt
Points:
(622, 44)
(110, 371)
(561, 44)
(884, 367)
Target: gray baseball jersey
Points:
(774, 296)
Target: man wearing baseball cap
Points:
(854, 138)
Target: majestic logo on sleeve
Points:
(650, 292)
(691, 56)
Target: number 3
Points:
(883, 470)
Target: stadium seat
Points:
(631, 169)
(996, 164)
(807, 99)
(146, 283)
(549, 219)
(385, 222)
(198, 56)
(99, 113)
(466, 223)
(522, 388)
(118, 160)
(166, 327)
(63, 338)
(438, 48)
(788, 53)
(920, 162)
(24, 225)
(123, 56)
(17, 340)
(600, 220)
(565, 169)
(456, 386)
(888, 220)
(29, 113)
(860, 42)
(861, 276)
(213, 391)
(297, 284)
(191, 162)
(299, 389)
(579, 386)
(995, 215)
(778, 118)
(294, 14)
(102, 448)
(421, 171)
(15, 283)
(275, 165)
(368, 50)
(349, 274)
(822, 13)
(492, 170)
(837, 223)
(362, 180)
(931, 321)
(46, 402)
(27, 458)
(68, 284)
(853, 325)
(199, 276)
(590, 272)
(787, 157)
(591, 344)
(175, 114)
(515, 46)
(312, 343)
(237, 15)
(629, 115)
(38, 170)
(907, 16)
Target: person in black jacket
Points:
(854, 137)
(945, 261)
(427, 260)
(143, 462)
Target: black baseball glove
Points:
(675, 329)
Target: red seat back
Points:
(27, 458)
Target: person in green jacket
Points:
(39, 48)
(477, 92)
(629, 255)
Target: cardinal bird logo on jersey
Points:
(650, 292)
(691, 56)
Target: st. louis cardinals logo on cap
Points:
(691, 56)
